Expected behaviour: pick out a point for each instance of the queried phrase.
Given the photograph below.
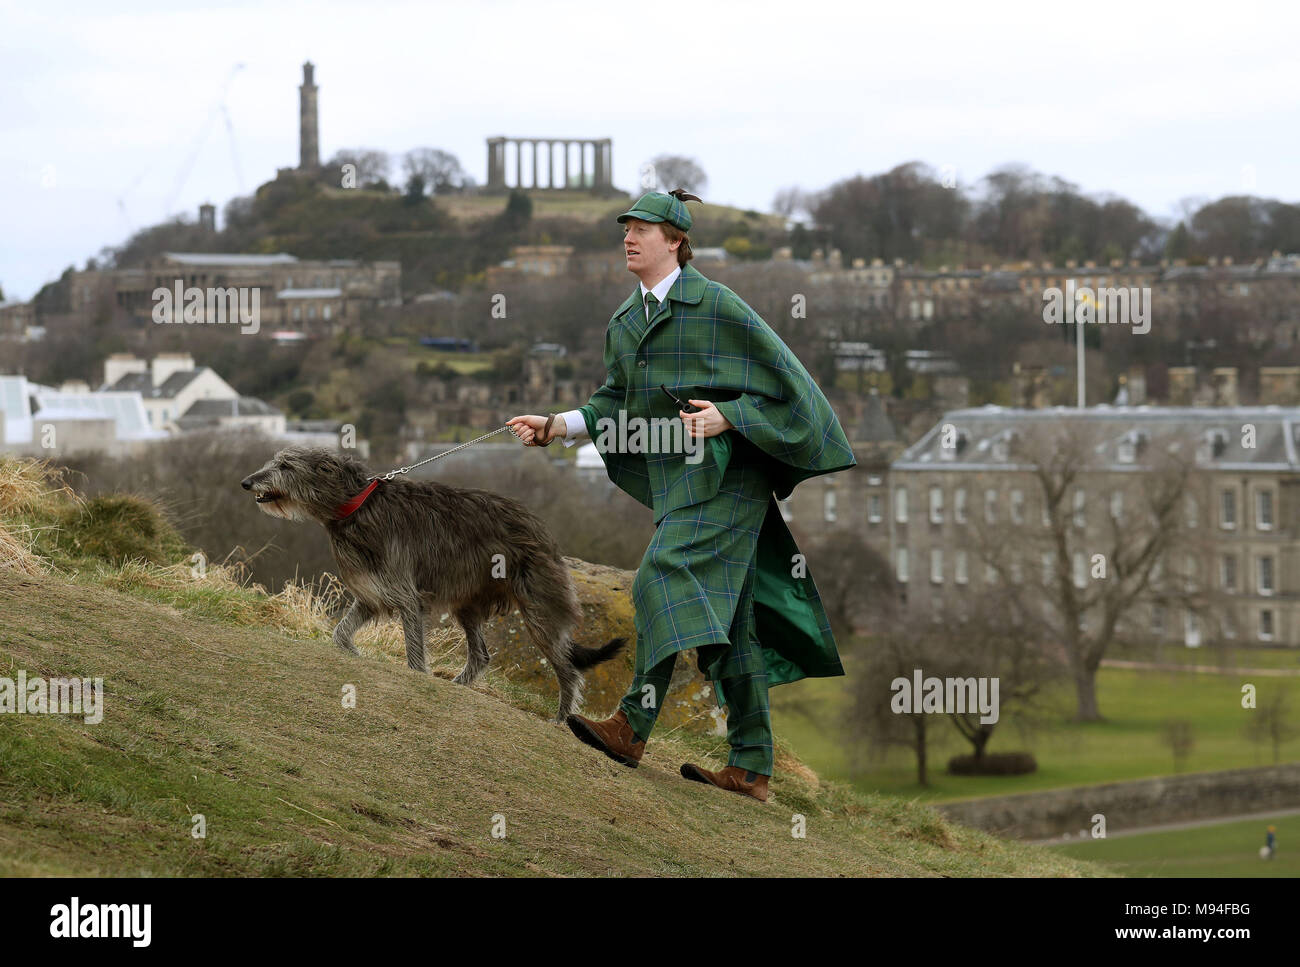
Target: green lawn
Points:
(1221, 849)
(1127, 745)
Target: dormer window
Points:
(1213, 445)
(957, 449)
(1131, 445)
(1002, 446)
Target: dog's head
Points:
(305, 483)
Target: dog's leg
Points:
(571, 683)
(413, 628)
(550, 634)
(471, 621)
(357, 615)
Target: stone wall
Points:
(1131, 805)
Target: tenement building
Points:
(1172, 524)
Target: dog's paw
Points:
(443, 674)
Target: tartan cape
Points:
(704, 342)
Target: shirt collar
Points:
(661, 288)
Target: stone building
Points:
(317, 297)
(969, 490)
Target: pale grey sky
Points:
(102, 105)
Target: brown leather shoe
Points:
(732, 778)
(613, 736)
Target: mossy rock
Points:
(605, 594)
(118, 528)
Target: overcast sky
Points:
(111, 119)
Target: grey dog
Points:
(410, 546)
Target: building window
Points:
(1080, 513)
(1264, 510)
(1080, 570)
(1048, 568)
(990, 573)
(1265, 565)
(936, 565)
(1191, 630)
(990, 506)
(959, 567)
(1117, 505)
(297, 313)
(1228, 572)
(959, 505)
(325, 312)
(1193, 512)
(828, 505)
(936, 505)
(900, 564)
(873, 508)
(1018, 506)
(1158, 620)
(1228, 510)
(900, 505)
(1266, 625)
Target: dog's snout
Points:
(247, 483)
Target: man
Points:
(722, 574)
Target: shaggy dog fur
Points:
(415, 546)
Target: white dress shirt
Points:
(575, 426)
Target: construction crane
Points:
(218, 108)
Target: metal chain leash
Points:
(438, 456)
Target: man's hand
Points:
(706, 422)
(529, 429)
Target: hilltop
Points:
(225, 702)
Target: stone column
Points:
(308, 141)
(566, 164)
(519, 162)
(582, 164)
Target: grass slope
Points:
(246, 726)
(1127, 745)
(1209, 850)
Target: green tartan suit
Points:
(722, 574)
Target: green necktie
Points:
(651, 306)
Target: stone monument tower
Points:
(308, 144)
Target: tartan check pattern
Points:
(695, 589)
(716, 348)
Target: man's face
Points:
(646, 248)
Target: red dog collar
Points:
(348, 508)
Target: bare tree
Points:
(1180, 736)
(986, 646)
(674, 171)
(872, 720)
(790, 200)
(1092, 555)
(440, 170)
(373, 167)
(1272, 722)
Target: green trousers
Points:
(740, 679)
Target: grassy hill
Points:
(225, 702)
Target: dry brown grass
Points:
(26, 485)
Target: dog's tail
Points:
(584, 658)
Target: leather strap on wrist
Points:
(546, 431)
